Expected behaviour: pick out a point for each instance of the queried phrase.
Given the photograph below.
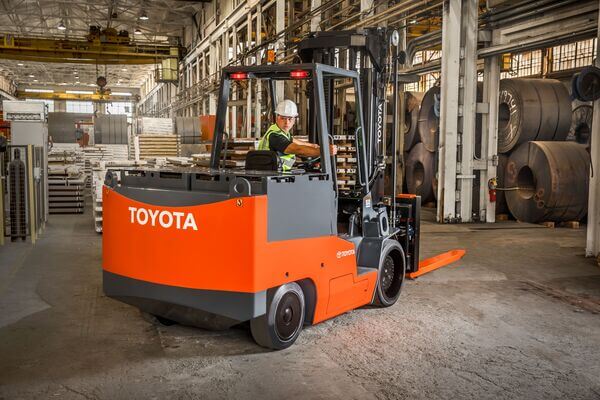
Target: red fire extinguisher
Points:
(492, 184)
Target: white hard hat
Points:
(287, 108)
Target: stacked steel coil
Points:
(428, 124)
(548, 181)
(581, 125)
(420, 141)
(420, 175)
(532, 109)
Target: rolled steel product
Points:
(587, 84)
(532, 109)
(428, 124)
(412, 102)
(551, 181)
(581, 125)
(564, 109)
(420, 172)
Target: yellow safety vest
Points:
(288, 160)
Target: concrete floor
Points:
(517, 318)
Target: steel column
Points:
(489, 135)
(469, 100)
(447, 148)
(280, 51)
(592, 246)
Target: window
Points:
(524, 64)
(49, 103)
(573, 55)
(120, 109)
(425, 83)
(426, 56)
(86, 107)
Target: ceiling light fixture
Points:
(137, 31)
(61, 26)
(35, 80)
(20, 64)
(39, 90)
(79, 92)
(31, 76)
(124, 69)
(144, 17)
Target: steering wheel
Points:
(309, 163)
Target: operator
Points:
(279, 138)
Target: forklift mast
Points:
(370, 54)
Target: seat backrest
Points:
(262, 160)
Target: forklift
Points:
(217, 246)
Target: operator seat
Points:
(262, 160)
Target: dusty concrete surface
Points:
(517, 318)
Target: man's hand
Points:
(333, 149)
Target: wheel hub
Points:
(287, 319)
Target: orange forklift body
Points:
(229, 252)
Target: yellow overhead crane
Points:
(87, 51)
(98, 96)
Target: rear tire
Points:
(281, 325)
(390, 278)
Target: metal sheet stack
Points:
(188, 128)
(545, 178)
(110, 129)
(99, 152)
(99, 172)
(66, 182)
(154, 126)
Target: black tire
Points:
(390, 278)
(281, 325)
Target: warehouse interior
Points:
(429, 228)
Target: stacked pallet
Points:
(237, 149)
(346, 162)
(152, 146)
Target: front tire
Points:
(281, 325)
(390, 278)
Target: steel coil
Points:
(428, 124)
(550, 180)
(532, 109)
(581, 125)
(412, 103)
(586, 84)
(420, 172)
